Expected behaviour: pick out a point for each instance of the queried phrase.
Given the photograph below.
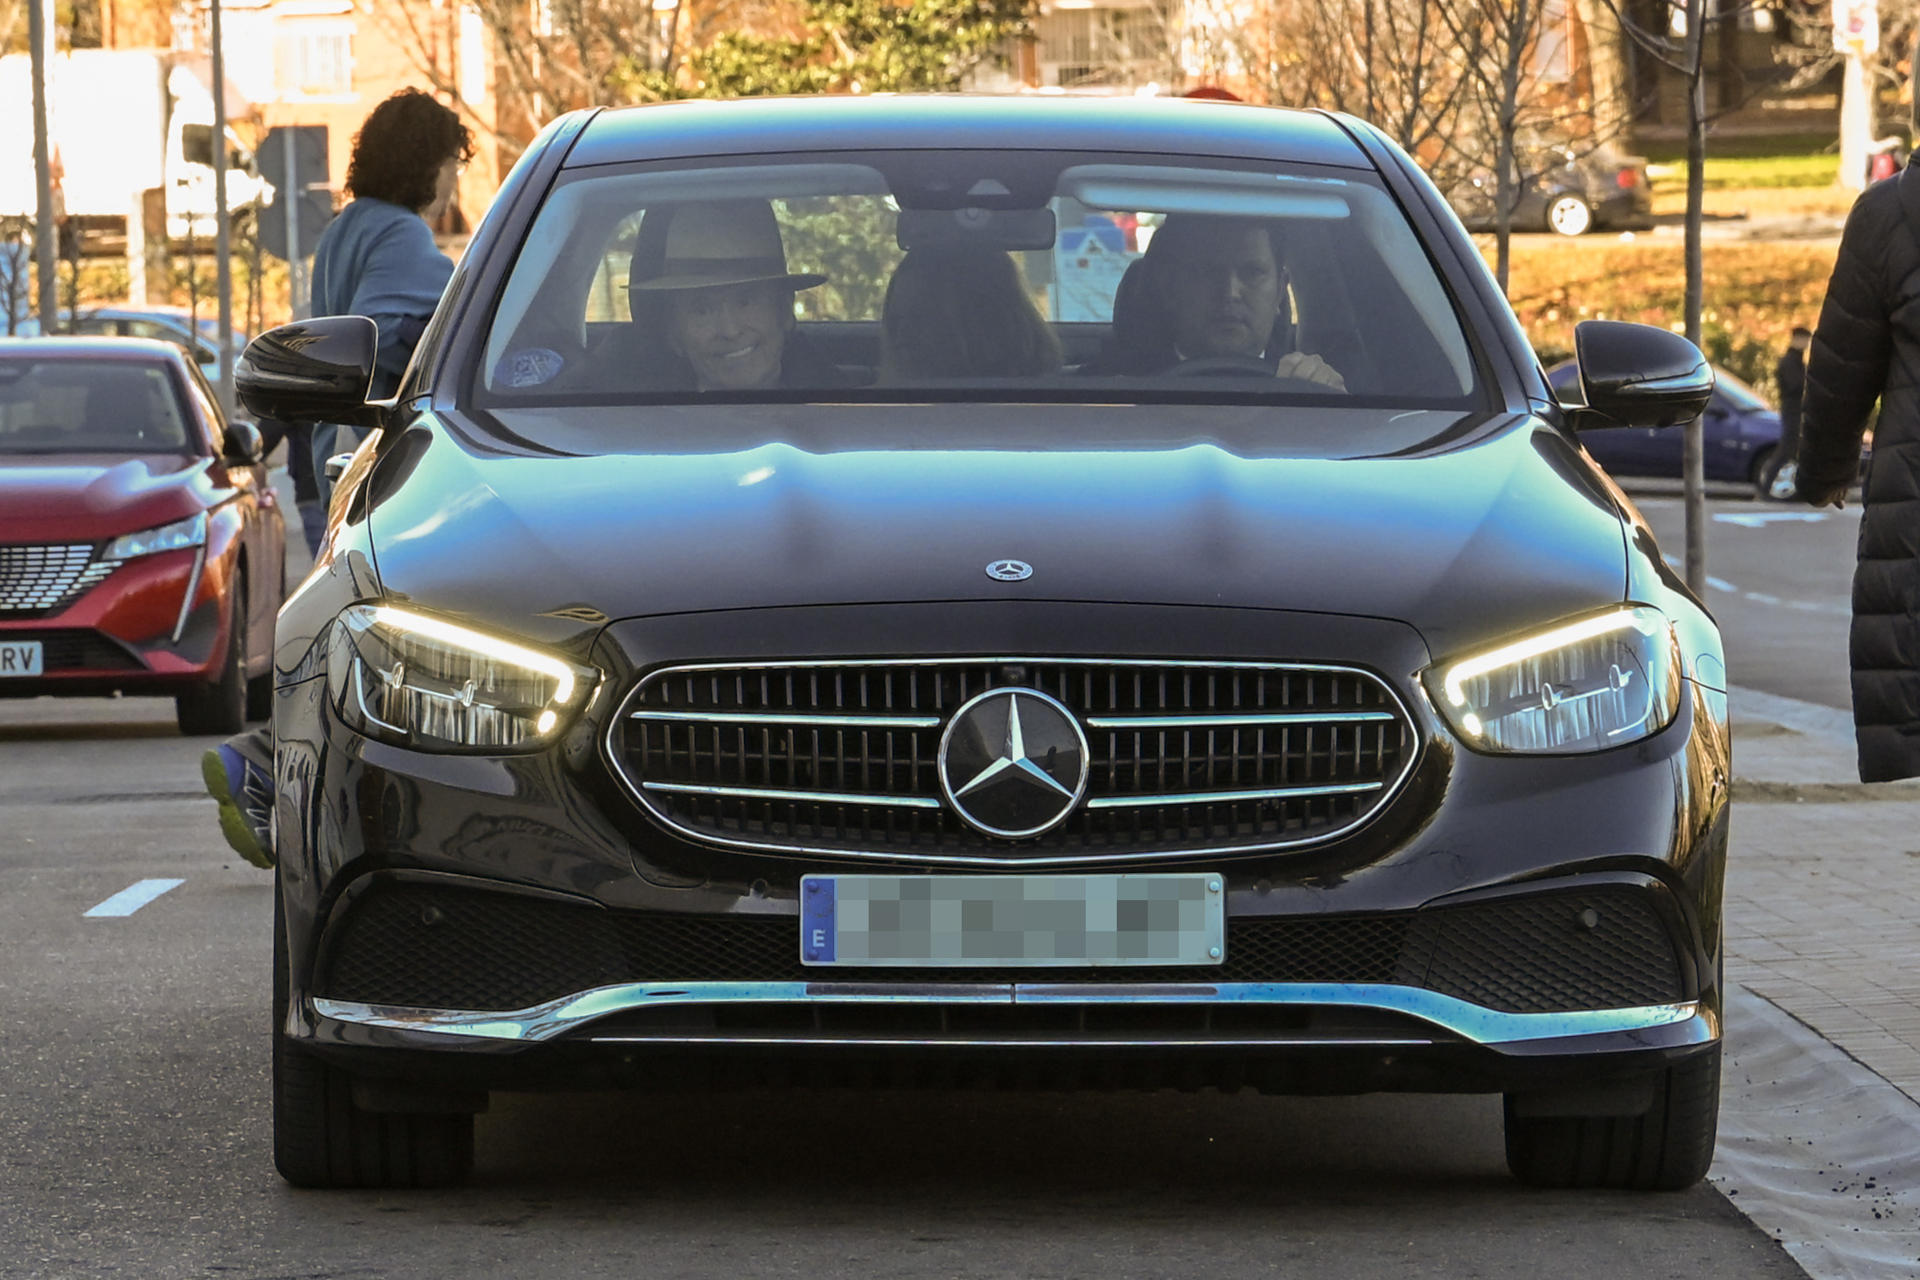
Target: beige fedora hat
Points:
(715, 242)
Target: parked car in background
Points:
(1565, 188)
(703, 677)
(197, 335)
(1740, 429)
(141, 545)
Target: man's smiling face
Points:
(733, 334)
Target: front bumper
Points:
(1625, 211)
(539, 932)
(155, 625)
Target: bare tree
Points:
(1386, 61)
(1528, 102)
(550, 56)
(1687, 56)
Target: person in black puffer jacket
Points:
(1866, 348)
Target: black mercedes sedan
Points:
(971, 591)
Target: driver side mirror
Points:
(1636, 375)
(317, 370)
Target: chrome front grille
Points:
(841, 758)
(42, 578)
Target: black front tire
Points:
(220, 707)
(321, 1139)
(1669, 1147)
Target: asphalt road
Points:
(134, 1108)
(1779, 579)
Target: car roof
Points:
(1166, 126)
(77, 347)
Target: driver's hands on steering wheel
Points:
(1298, 364)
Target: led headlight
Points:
(191, 532)
(1585, 685)
(420, 681)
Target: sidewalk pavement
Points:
(1820, 1112)
(1823, 884)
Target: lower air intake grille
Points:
(439, 948)
(79, 650)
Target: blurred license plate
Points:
(964, 921)
(19, 658)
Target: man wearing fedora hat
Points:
(727, 298)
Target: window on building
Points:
(1550, 55)
(1105, 46)
(316, 63)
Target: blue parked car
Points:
(1742, 437)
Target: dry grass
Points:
(1754, 292)
(1670, 199)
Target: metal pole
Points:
(1693, 464)
(137, 249)
(222, 222)
(39, 36)
(295, 196)
(1856, 120)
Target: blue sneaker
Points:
(239, 776)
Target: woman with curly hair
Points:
(378, 259)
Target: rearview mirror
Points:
(317, 370)
(987, 228)
(1636, 375)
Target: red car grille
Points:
(44, 578)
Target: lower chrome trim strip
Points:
(1470, 1022)
(805, 797)
(193, 589)
(1234, 720)
(1276, 1041)
(787, 720)
(1231, 797)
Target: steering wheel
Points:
(1213, 366)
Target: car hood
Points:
(1465, 526)
(84, 497)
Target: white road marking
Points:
(134, 897)
(1761, 597)
(1760, 519)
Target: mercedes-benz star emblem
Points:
(1010, 570)
(1013, 763)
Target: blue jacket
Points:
(378, 260)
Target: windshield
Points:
(1742, 397)
(87, 406)
(974, 275)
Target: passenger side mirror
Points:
(317, 370)
(1636, 375)
(242, 444)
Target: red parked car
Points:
(141, 545)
